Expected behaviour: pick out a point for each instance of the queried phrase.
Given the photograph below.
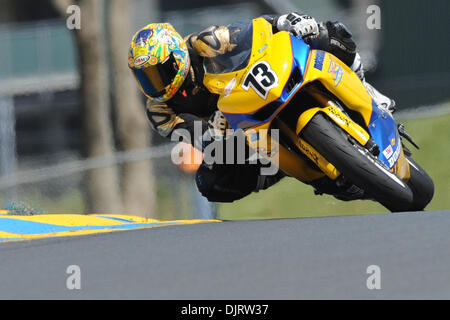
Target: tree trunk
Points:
(7, 11)
(103, 193)
(138, 192)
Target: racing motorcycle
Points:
(330, 129)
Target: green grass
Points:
(70, 202)
(291, 199)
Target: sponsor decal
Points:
(263, 48)
(392, 139)
(142, 59)
(229, 87)
(314, 157)
(337, 72)
(318, 62)
(339, 116)
(393, 142)
(395, 156)
(388, 152)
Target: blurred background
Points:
(74, 137)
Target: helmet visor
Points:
(155, 79)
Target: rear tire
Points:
(357, 164)
(421, 185)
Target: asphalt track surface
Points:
(323, 258)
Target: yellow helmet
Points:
(159, 59)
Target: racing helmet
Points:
(159, 59)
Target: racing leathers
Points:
(194, 103)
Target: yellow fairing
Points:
(334, 75)
(277, 51)
(339, 79)
(289, 162)
(339, 118)
(266, 46)
(401, 168)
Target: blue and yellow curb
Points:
(17, 228)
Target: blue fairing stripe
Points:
(383, 130)
(300, 52)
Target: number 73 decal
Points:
(260, 78)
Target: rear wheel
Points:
(357, 164)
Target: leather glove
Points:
(218, 126)
(299, 25)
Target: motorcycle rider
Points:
(169, 71)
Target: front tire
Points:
(357, 164)
(421, 185)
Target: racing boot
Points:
(384, 103)
(265, 182)
(340, 189)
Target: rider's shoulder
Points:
(212, 41)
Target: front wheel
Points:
(357, 164)
(421, 185)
